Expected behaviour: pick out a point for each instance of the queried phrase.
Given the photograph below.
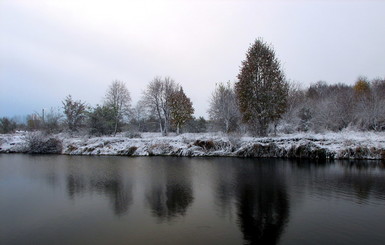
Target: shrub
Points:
(39, 143)
(7, 125)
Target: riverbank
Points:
(342, 145)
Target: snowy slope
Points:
(342, 145)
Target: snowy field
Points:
(342, 145)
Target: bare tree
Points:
(157, 98)
(52, 120)
(295, 114)
(370, 104)
(34, 122)
(152, 98)
(223, 107)
(139, 113)
(169, 87)
(119, 100)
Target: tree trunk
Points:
(166, 123)
(160, 120)
(275, 129)
(227, 125)
(116, 127)
(165, 127)
(160, 125)
(177, 129)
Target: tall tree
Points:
(262, 89)
(157, 98)
(119, 100)
(181, 108)
(74, 112)
(152, 99)
(223, 107)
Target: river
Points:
(169, 200)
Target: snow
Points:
(341, 145)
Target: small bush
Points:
(39, 143)
(133, 135)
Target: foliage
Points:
(75, 113)
(261, 90)
(7, 125)
(361, 87)
(196, 125)
(181, 108)
(370, 107)
(101, 121)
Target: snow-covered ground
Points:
(342, 145)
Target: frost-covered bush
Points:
(132, 135)
(40, 143)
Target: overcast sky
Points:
(52, 48)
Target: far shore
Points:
(342, 145)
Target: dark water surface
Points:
(165, 200)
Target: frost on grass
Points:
(342, 145)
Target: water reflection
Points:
(170, 191)
(225, 186)
(45, 199)
(76, 184)
(358, 181)
(119, 194)
(263, 205)
(103, 179)
(261, 199)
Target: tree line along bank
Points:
(260, 102)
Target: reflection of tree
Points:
(262, 203)
(361, 177)
(75, 185)
(224, 182)
(103, 180)
(358, 180)
(156, 200)
(179, 197)
(170, 194)
(115, 189)
(260, 196)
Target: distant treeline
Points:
(260, 102)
